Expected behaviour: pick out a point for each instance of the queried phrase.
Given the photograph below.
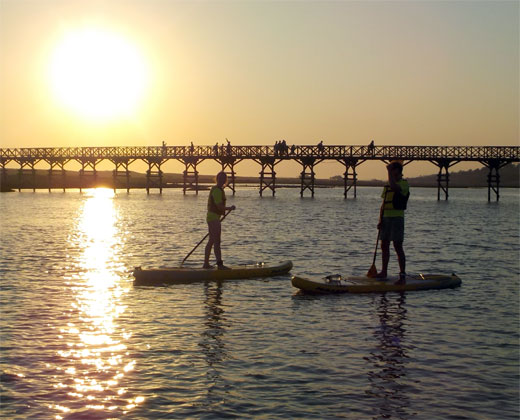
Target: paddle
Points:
(372, 271)
(203, 239)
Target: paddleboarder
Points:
(216, 209)
(391, 225)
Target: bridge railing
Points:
(467, 153)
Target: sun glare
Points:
(98, 74)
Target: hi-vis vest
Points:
(213, 211)
(388, 195)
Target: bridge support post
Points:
(3, 178)
(228, 166)
(307, 175)
(84, 171)
(493, 178)
(154, 175)
(443, 178)
(61, 165)
(267, 174)
(190, 174)
(350, 175)
(24, 163)
(118, 173)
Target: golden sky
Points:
(115, 73)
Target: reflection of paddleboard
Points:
(162, 276)
(363, 284)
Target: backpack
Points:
(399, 200)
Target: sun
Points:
(98, 73)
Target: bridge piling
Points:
(62, 171)
(87, 163)
(443, 177)
(350, 175)
(267, 174)
(154, 175)
(493, 178)
(190, 174)
(307, 175)
(117, 173)
(228, 167)
(21, 172)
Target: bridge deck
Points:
(410, 153)
(444, 157)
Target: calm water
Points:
(78, 341)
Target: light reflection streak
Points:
(389, 359)
(94, 358)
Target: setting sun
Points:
(98, 74)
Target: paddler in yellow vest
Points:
(216, 209)
(395, 196)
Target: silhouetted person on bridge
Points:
(371, 148)
(284, 147)
(228, 147)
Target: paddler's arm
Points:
(220, 205)
(394, 186)
(223, 208)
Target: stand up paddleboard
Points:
(361, 284)
(184, 275)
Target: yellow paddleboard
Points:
(362, 284)
(183, 275)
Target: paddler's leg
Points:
(207, 253)
(385, 246)
(213, 242)
(398, 246)
(215, 230)
(385, 253)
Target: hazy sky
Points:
(345, 72)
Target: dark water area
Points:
(79, 341)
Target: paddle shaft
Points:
(202, 240)
(377, 243)
(379, 227)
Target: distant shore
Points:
(12, 180)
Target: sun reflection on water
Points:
(94, 359)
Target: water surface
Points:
(78, 340)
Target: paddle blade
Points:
(372, 272)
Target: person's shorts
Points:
(392, 229)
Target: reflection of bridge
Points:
(444, 157)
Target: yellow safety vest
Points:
(216, 196)
(388, 196)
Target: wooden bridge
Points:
(444, 157)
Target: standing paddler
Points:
(216, 209)
(391, 225)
